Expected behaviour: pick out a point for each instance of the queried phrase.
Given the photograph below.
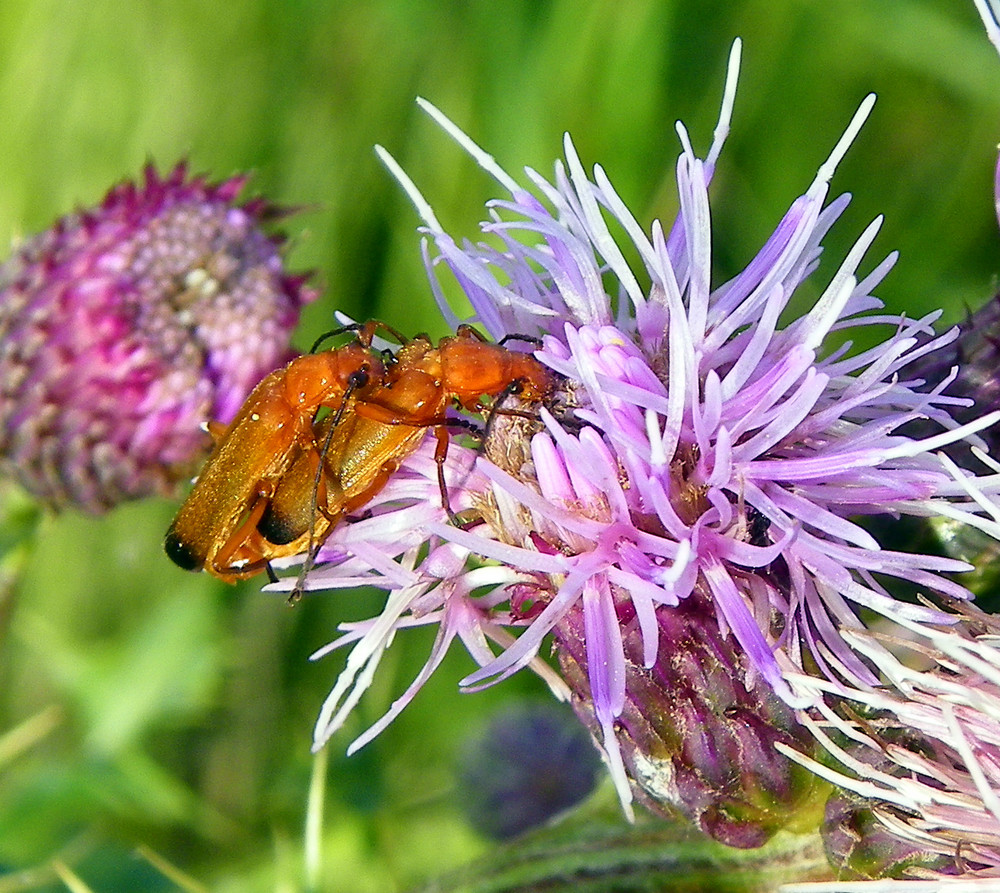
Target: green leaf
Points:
(596, 851)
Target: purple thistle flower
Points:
(713, 458)
(125, 327)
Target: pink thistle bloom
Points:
(708, 457)
(125, 327)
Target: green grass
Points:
(147, 711)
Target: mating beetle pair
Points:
(280, 477)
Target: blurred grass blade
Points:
(170, 871)
(313, 844)
(28, 733)
(19, 518)
(72, 880)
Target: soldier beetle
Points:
(464, 369)
(254, 452)
(280, 479)
(351, 460)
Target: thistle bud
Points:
(532, 762)
(125, 327)
(859, 845)
(975, 354)
(697, 733)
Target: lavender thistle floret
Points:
(710, 455)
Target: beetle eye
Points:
(358, 378)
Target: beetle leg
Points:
(440, 454)
(246, 532)
(469, 332)
(245, 571)
(495, 409)
(323, 502)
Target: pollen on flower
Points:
(124, 327)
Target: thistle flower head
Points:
(125, 327)
(714, 464)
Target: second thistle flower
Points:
(125, 327)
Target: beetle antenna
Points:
(527, 339)
(364, 330)
(467, 425)
(334, 333)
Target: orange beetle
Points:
(303, 477)
(256, 450)
(463, 369)
(351, 460)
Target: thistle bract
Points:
(697, 735)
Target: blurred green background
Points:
(150, 714)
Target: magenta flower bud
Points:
(125, 327)
(696, 732)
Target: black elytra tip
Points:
(180, 553)
(278, 528)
